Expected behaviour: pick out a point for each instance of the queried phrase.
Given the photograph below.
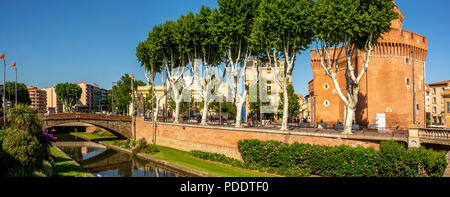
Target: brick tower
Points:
(386, 90)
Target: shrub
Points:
(397, 161)
(393, 159)
(251, 166)
(46, 140)
(25, 118)
(22, 150)
(140, 146)
(103, 133)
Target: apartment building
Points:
(38, 99)
(93, 99)
(447, 108)
(435, 102)
(270, 89)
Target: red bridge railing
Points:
(69, 116)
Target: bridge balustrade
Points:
(441, 134)
(68, 116)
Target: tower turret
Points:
(397, 23)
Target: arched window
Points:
(326, 103)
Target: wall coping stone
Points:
(327, 135)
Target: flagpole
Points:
(15, 67)
(4, 93)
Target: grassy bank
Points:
(64, 167)
(186, 159)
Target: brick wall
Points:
(384, 88)
(224, 140)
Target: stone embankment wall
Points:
(224, 140)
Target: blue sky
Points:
(55, 41)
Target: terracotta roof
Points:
(440, 83)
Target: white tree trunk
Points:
(284, 124)
(155, 114)
(205, 113)
(348, 122)
(177, 112)
(239, 112)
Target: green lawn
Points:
(185, 159)
(64, 167)
(93, 136)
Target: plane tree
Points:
(149, 55)
(68, 94)
(200, 41)
(349, 28)
(236, 23)
(282, 30)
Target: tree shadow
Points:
(361, 111)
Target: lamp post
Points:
(133, 129)
(414, 88)
(15, 68)
(112, 97)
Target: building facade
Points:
(270, 90)
(53, 105)
(447, 108)
(92, 100)
(142, 93)
(386, 91)
(38, 99)
(435, 102)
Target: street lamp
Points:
(112, 98)
(414, 89)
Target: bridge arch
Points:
(117, 125)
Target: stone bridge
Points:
(418, 136)
(116, 124)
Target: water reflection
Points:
(112, 163)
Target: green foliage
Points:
(122, 92)
(23, 95)
(140, 146)
(353, 20)
(252, 166)
(283, 28)
(2, 135)
(237, 18)
(68, 94)
(25, 118)
(184, 106)
(393, 160)
(294, 106)
(103, 133)
(22, 150)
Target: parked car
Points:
(217, 118)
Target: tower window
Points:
(326, 103)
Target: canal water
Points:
(103, 162)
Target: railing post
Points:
(413, 137)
